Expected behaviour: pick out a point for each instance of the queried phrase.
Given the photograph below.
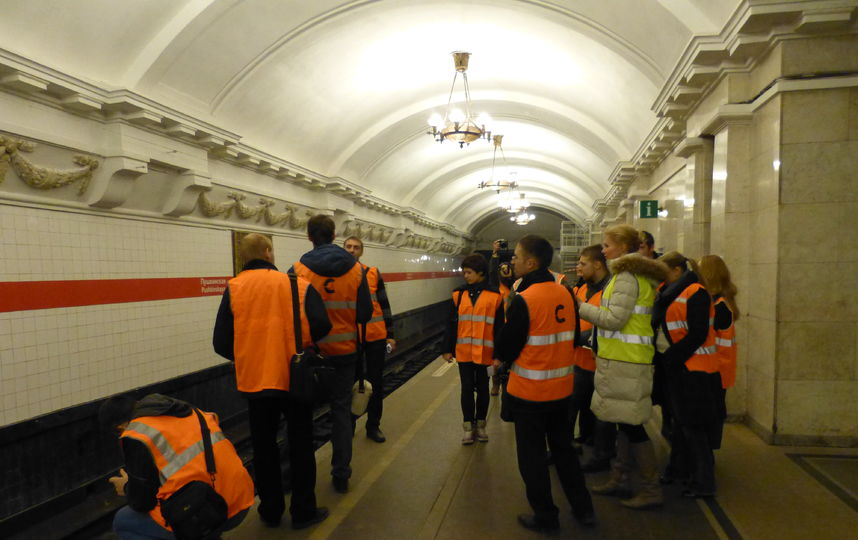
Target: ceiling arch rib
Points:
(464, 191)
(463, 213)
(484, 209)
(514, 107)
(449, 173)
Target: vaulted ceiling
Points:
(344, 88)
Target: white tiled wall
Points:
(40, 245)
(56, 358)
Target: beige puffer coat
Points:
(623, 389)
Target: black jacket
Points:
(223, 337)
(698, 318)
(143, 482)
(451, 329)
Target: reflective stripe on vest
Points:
(676, 320)
(261, 305)
(340, 297)
(541, 374)
(475, 326)
(634, 342)
(543, 370)
(177, 449)
(725, 341)
(376, 328)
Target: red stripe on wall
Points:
(407, 276)
(27, 295)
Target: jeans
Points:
(475, 378)
(130, 524)
(339, 385)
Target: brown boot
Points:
(468, 437)
(618, 484)
(650, 495)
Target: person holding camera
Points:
(254, 328)
(161, 442)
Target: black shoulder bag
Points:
(197, 511)
(303, 379)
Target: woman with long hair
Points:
(685, 348)
(624, 369)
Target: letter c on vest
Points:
(325, 285)
(557, 316)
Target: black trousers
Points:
(265, 414)
(534, 424)
(475, 378)
(338, 384)
(582, 394)
(375, 352)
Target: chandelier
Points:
(498, 185)
(513, 201)
(457, 125)
(523, 218)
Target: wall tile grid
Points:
(55, 358)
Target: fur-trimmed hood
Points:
(652, 269)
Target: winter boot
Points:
(618, 484)
(650, 495)
(482, 436)
(468, 437)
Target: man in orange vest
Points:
(379, 339)
(160, 438)
(601, 435)
(537, 346)
(340, 280)
(255, 329)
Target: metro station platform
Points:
(423, 484)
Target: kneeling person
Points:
(161, 440)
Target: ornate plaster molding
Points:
(43, 177)
(294, 217)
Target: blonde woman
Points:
(624, 362)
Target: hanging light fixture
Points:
(457, 125)
(515, 204)
(498, 185)
(523, 218)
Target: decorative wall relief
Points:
(42, 177)
(368, 231)
(294, 217)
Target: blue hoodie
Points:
(330, 260)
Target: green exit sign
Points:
(649, 209)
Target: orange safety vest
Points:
(376, 330)
(725, 341)
(543, 370)
(558, 278)
(584, 355)
(261, 302)
(705, 357)
(176, 446)
(475, 328)
(340, 297)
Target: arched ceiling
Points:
(344, 88)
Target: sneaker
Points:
(320, 515)
(468, 437)
(482, 436)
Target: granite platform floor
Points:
(423, 484)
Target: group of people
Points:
(344, 312)
(633, 332)
(637, 329)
